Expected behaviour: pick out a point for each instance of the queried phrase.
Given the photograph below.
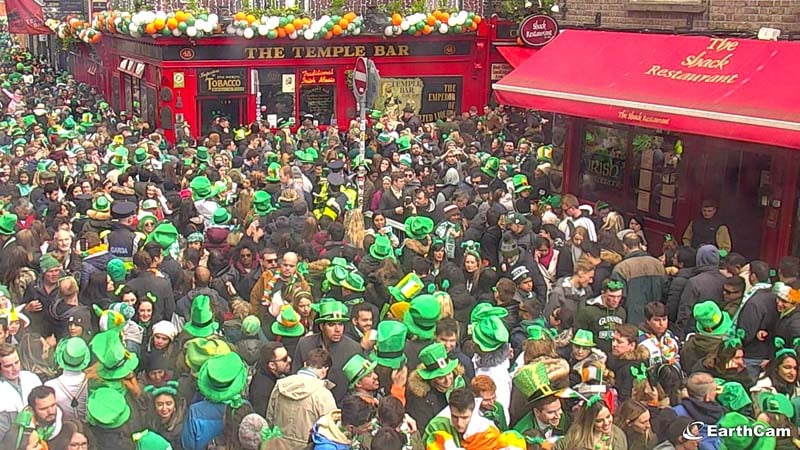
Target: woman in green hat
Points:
(167, 412)
(780, 375)
(593, 429)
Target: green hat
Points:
(384, 138)
(583, 338)
(490, 333)
(521, 183)
(197, 236)
(222, 378)
(145, 218)
(69, 123)
(733, 396)
(202, 188)
(335, 274)
(356, 368)
(532, 382)
(390, 344)
(107, 408)
(309, 155)
(101, 204)
(72, 354)
(769, 402)
(221, 217)
(423, 315)
(381, 248)
(140, 156)
(116, 270)
(198, 350)
(332, 311)
(354, 282)
(287, 323)
(485, 310)
(375, 114)
(491, 166)
(417, 227)
(273, 170)
(262, 203)
(710, 320)
(29, 120)
(435, 362)
(119, 159)
(8, 224)
(741, 441)
(115, 361)
(202, 323)
(47, 262)
(403, 143)
(150, 440)
(202, 154)
(250, 325)
(20, 142)
(165, 234)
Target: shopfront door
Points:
(233, 108)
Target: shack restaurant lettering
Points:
(221, 81)
(538, 30)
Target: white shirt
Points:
(581, 221)
(71, 385)
(13, 401)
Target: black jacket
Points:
(789, 326)
(759, 313)
(676, 286)
(161, 288)
(706, 285)
(261, 389)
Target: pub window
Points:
(318, 95)
(635, 169)
(277, 89)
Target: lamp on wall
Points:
(560, 8)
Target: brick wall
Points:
(729, 15)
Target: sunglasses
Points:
(271, 260)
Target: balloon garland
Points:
(76, 28)
(295, 27)
(442, 22)
(159, 23)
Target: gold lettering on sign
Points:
(715, 57)
(317, 76)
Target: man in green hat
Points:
(201, 321)
(492, 352)
(421, 319)
(362, 379)
(108, 413)
(72, 356)
(8, 229)
(331, 318)
(712, 324)
(390, 343)
(543, 408)
(262, 203)
(428, 384)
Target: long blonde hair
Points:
(354, 228)
(614, 222)
(581, 434)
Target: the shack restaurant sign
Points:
(538, 30)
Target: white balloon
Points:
(230, 29)
(452, 21)
(404, 25)
(443, 28)
(293, 35)
(161, 15)
(357, 31)
(263, 30)
(239, 31)
(316, 27)
(325, 18)
(191, 31)
(264, 19)
(389, 31)
(148, 16)
(273, 22)
(308, 34)
(176, 32)
(249, 33)
(213, 18)
(135, 33)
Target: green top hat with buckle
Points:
(309, 155)
(435, 362)
(484, 311)
(733, 396)
(331, 311)
(583, 338)
(73, 354)
(418, 227)
(532, 382)
(391, 343)
(490, 333)
(107, 408)
(222, 378)
(8, 224)
(491, 166)
(119, 158)
(164, 234)
(201, 323)
(202, 188)
(221, 217)
(262, 203)
(710, 319)
(403, 143)
(382, 248)
(287, 323)
(773, 403)
(407, 288)
(356, 368)
(423, 315)
(521, 183)
(273, 171)
(115, 361)
(336, 274)
(140, 156)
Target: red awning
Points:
(729, 88)
(515, 54)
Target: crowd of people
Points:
(279, 289)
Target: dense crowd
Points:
(261, 288)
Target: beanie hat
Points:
(165, 328)
(47, 262)
(250, 431)
(250, 325)
(116, 270)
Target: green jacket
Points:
(592, 315)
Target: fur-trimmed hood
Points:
(418, 247)
(420, 388)
(640, 353)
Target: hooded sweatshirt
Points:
(705, 285)
(297, 402)
(326, 434)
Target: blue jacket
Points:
(203, 423)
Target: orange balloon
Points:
(476, 19)
(289, 28)
(343, 23)
(397, 19)
(351, 16)
(150, 28)
(328, 35)
(172, 23)
(281, 33)
(180, 16)
(96, 38)
(337, 30)
(239, 16)
(306, 21)
(158, 24)
(298, 23)
(250, 18)
(444, 17)
(431, 20)
(427, 29)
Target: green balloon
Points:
(182, 26)
(336, 19)
(283, 21)
(411, 31)
(190, 21)
(470, 16)
(204, 16)
(468, 24)
(351, 26)
(272, 34)
(420, 25)
(166, 31)
(290, 18)
(458, 29)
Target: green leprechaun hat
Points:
(521, 183)
(262, 203)
(287, 323)
(491, 167)
(532, 382)
(490, 333)
(198, 350)
(331, 311)
(435, 362)
(150, 440)
(309, 155)
(403, 143)
(407, 288)
(382, 248)
(710, 320)
(583, 338)
(423, 315)
(202, 188)
(744, 441)
(418, 227)
(8, 224)
(773, 403)
(140, 156)
(221, 216)
(390, 344)
(222, 378)
(115, 361)
(356, 368)
(733, 396)
(73, 354)
(107, 408)
(273, 170)
(201, 323)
